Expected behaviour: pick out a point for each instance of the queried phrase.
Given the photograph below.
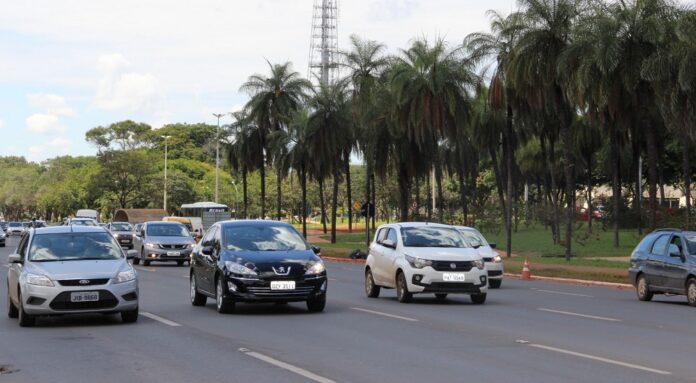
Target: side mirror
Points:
(492, 245)
(389, 243)
(316, 250)
(207, 250)
(15, 258)
(130, 254)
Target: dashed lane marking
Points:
(286, 366)
(579, 315)
(563, 293)
(384, 314)
(160, 319)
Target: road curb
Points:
(344, 260)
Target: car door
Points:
(675, 267)
(389, 256)
(16, 269)
(207, 262)
(655, 263)
(377, 251)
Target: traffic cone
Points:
(526, 272)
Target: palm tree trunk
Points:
(322, 203)
(349, 195)
(403, 195)
(615, 179)
(440, 195)
(303, 185)
(499, 184)
(462, 197)
(551, 187)
(263, 179)
(374, 200)
(652, 174)
(589, 190)
(334, 201)
(244, 191)
(428, 197)
(570, 188)
(509, 159)
(279, 193)
(686, 169)
(416, 211)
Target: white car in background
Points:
(494, 263)
(417, 258)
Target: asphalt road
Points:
(526, 332)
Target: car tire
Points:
(179, 263)
(441, 296)
(316, 305)
(643, 290)
(197, 299)
(136, 261)
(478, 299)
(495, 283)
(223, 305)
(12, 311)
(146, 263)
(371, 289)
(691, 292)
(25, 320)
(130, 316)
(402, 293)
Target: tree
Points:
(243, 152)
(123, 135)
(126, 175)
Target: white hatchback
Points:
(493, 261)
(417, 258)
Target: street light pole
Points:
(165, 170)
(217, 155)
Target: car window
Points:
(432, 236)
(22, 247)
(73, 247)
(167, 230)
(381, 234)
(474, 238)
(676, 240)
(645, 245)
(262, 238)
(660, 246)
(121, 227)
(207, 240)
(391, 235)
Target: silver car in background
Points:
(123, 233)
(494, 263)
(70, 270)
(164, 242)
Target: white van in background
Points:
(87, 213)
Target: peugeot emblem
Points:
(84, 281)
(281, 269)
(453, 266)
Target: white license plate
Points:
(125, 241)
(453, 277)
(89, 296)
(173, 253)
(282, 285)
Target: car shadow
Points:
(79, 320)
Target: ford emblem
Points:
(84, 281)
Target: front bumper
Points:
(41, 300)
(259, 290)
(429, 280)
(495, 270)
(166, 254)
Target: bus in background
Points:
(205, 214)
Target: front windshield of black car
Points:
(73, 247)
(121, 227)
(167, 230)
(262, 238)
(474, 238)
(432, 237)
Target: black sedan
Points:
(256, 261)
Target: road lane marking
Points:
(595, 358)
(384, 314)
(562, 293)
(286, 366)
(579, 315)
(160, 319)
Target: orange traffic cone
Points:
(526, 272)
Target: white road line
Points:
(580, 315)
(332, 279)
(597, 358)
(160, 319)
(562, 293)
(297, 370)
(384, 314)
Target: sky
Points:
(68, 66)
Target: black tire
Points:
(197, 299)
(691, 292)
(129, 316)
(12, 310)
(402, 293)
(495, 283)
(146, 263)
(179, 263)
(316, 305)
(136, 261)
(643, 290)
(441, 296)
(25, 320)
(224, 305)
(478, 299)
(371, 289)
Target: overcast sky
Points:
(67, 66)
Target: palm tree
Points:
(243, 152)
(273, 99)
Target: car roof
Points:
(69, 229)
(419, 224)
(253, 222)
(163, 223)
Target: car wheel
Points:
(371, 289)
(146, 263)
(402, 293)
(691, 291)
(224, 305)
(197, 299)
(25, 320)
(478, 299)
(316, 305)
(12, 310)
(136, 261)
(643, 290)
(129, 316)
(179, 263)
(495, 283)
(441, 297)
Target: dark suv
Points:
(665, 262)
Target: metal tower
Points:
(323, 50)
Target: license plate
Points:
(173, 253)
(125, 241)
(90, 296)
(282, 285)
(453, 277)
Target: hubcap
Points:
(219, 294)
(692, 292)
(193, 287)
(641, 287)
(368, 282)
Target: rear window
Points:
(646, 244)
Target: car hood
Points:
(486, 251)
(122, 232)
(78, 269)
(443, 253)
(170, 240)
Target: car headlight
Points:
(316, 268)
(39, 280)
(479, 264)
(418, 263)
(115, 235)
(151, 245)
(236, 268)
(191, 245)
(497, 259)
(125, 276)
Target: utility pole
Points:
(323, 49)
(165, 171)
(217, 155)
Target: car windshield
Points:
(121, 227)
(160, 230)
(691, 243)
(474, 238)
(73, 247)
(432, 237)
(82, 222)
(262, 238)
(15, 224)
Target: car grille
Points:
(265, 291)
(494, 273)
(446, 287)
(62, 302)
(76, 282)
(447, 265)
(172, 247)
